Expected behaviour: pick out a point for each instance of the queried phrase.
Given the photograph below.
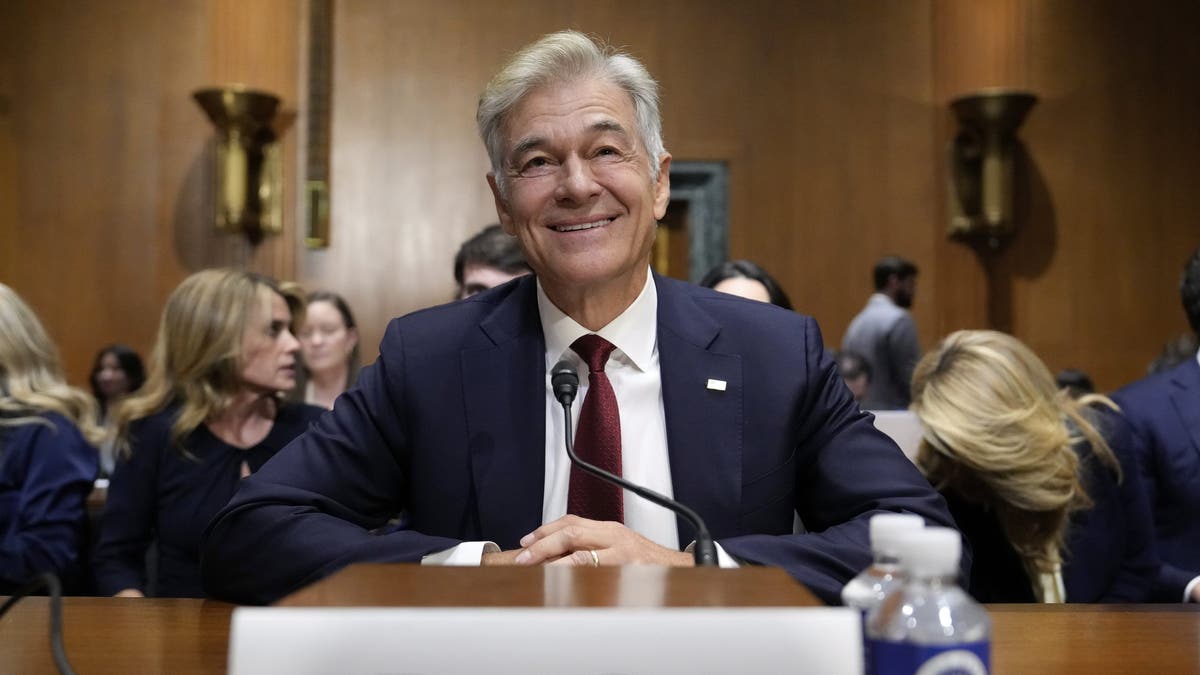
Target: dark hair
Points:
(491, 247)
(343, 308)
(1175, 352)
(851, 364)
(129, 362)
(1075, 381)
(1189, 291)
(744, 269)
(893, 265)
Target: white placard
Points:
(532, 641)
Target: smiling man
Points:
(726, 404)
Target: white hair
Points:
(567, 56)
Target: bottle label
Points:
(901, 658)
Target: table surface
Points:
(132, 635)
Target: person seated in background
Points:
(210, 413)
(329, 346)
(47, 458)
(1043, 486)
(729, 406)
(1164, 411)
(855, 372)
(746, 280)
(486, 260)
(1077, 383)
(116, 372)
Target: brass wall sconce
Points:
(249, 167)
(982, 168)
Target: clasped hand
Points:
(572, 540)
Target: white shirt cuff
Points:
(466, 554)
(723, 559)
(1187, 592)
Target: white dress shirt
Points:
(634, 372)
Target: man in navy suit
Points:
(728, 405)
(1164, 411)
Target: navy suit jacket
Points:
(1164, 411)
(448, 426)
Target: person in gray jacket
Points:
(884, 332)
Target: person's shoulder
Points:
(450, 325)
(723, 306)
(47, 426)
(1151, 389)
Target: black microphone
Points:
(565, 383)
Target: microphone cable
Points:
(51, 584)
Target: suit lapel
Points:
(1186, 399)
(504, 391)
(704, 423)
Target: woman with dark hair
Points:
(329, 345)
(747, 280)
(116, 372)
(47, 462)
(211, 412)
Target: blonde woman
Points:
(210, 413)
(47, 458)
(1039, 484)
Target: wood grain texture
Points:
(126, 635)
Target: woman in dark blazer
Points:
(1043, 487)
(47, 458)
(210, 413)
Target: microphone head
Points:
(565, 381)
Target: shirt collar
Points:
(1198, 355)
(634, 332)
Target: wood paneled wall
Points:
(109, 159)
(831, 114)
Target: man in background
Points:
(1164, 411)
(486, 260)
(884, 333)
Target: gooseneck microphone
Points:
(565, 383)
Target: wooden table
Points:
(127, 635)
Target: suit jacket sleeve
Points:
(1171, 581)
(313, 507)
(1139, 560)
(846, 471)
(50, 469)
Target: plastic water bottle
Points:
(882, 577)
(930, 626)
(867, 590)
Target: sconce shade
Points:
(983, 162)
(248, 169)
(1001, 109)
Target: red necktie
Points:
(598, 438)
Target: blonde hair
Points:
(31, 377)
(998, 432)
(197, 355)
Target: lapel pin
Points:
(716, 385)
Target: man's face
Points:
(579, 193)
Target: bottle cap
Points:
(887, 529)
(932, 551)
